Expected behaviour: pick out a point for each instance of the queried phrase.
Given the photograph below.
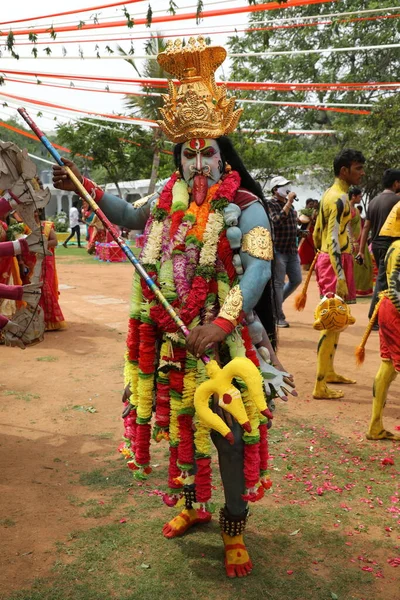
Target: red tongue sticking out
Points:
(200, 188)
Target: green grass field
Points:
(326, 531)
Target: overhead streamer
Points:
(170, 18)
(62, 148)
(34, 137)
(131, 120)
(210, 32)
(72, 12)
(319, 106)
(239, 85)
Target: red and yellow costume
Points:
(388, 312)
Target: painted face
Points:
(201, 157)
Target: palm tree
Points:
(147, 106)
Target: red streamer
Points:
(171, 18)
(72, 12)
(220, 32)
(34, 137)
(236, 85)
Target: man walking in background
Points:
(377, 213)
(74, 224)
(286, 257)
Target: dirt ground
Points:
(48, 435)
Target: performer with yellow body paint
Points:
(334, 263)
(388, 312)
(207, 245)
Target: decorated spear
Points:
(220, 381)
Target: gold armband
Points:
(232, 305)
(258, 243)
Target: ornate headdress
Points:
(199, 108)
(391, 226)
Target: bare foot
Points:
(382, 435)
(322, 391)
(182, 522)
(237, 559)
(335, 378)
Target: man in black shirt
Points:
(377, 213)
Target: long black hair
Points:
(264, 307)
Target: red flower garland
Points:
(251, 470)
(186, 444)
(162, 405)
(225, 254)
(173, 469)
(263, 429)
(248, 344)
(142, 448)
(229, 186)
(132, 340)
(203, 479)
(147, 350)
(165, 198)
(130, 426)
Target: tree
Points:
(148, 106)
(360, 66)
(119, 154)
(378, 140)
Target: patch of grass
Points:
(99, 479)
(82, 408)
(27, 397)
(47, 358)
(7, 523)
(106, 435)
(322, 521)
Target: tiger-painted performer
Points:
(334, 263)
(388, 312)
(207, 244)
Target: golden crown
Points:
(199, 108)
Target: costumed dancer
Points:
(53, 316)
(334, 262)
(17, 293)
(207, 244)
(388, 311)
(20, 191)
(362, 270)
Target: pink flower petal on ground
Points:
(387, 461)
(289, 572)
(368, 569)
(122, 520)
(397, 427)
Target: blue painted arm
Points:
(257, 272)
(124, 214)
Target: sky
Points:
(84, 100)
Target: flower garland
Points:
(188, 255)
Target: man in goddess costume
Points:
(334, 261)
(207, 245)
(387, 310)
(20, 191)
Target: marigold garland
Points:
(187, 253)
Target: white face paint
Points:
(201, 157)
